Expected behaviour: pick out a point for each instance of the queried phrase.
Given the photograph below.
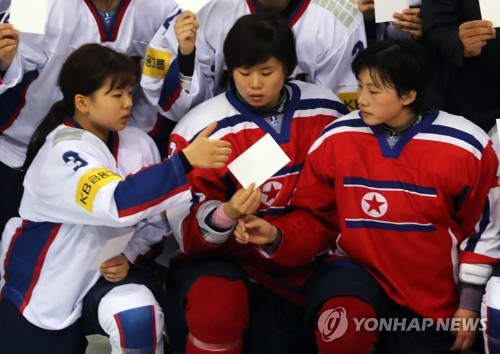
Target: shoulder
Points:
(457, 131)
(315, 96)
(213, 110)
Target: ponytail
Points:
(58, 112)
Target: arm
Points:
(310, 228)
(478, 253)
(94, 193)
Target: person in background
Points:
(465, 48)
(417, 225)
(88, 179)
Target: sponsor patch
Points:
(90, 183)
(157, 63)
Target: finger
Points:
(457, 345)
(208, 130)
(475, 24)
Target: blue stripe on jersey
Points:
(13, 100)
(314, 103)
(274, 211)
(389, 185)
(137, 328)
(483, 224)
(383, 225)
(493, 329)
(354, 123)
(167, 22)
(24, 260)
(289, 170)
(170, 91)
(150, 186)
(455, 133)
(457, 200)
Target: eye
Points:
(267, 73)
(243, 73)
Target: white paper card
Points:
(112, 248)
(384, 9)
(259, 162)
(29, 15)
(490, 10)
(192, 5)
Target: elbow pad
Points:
(477, 274)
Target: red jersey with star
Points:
(409, 214)
(308, 111)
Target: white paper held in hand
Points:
(29, 16)
(259, 162)
(384, 9)
(112, 248)
(490, 10)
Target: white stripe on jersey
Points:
(450, 140)
(341, 129)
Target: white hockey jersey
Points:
(28, 88)
(79, 193)
(328, 35)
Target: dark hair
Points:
(401, 64)
(255, 38)
(84, 72)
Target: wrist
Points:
(230, 211)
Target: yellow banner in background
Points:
(350, 100)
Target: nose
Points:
(256, 81)
(128, 101)
(362, 98)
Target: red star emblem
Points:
(272, 193)
(374, 204)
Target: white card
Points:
(490, 10)
(192, 5)
(112, 248)
(259, 162)
(29, 15)
(384, 9)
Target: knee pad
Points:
(336, 330)
(217, 310)
(132, 318)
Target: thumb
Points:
(208, 130)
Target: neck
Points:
(273, 5)
(412, 119)
(106, 5)
(85, 124)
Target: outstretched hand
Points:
(9, 40)
(207, 153)
(186, 27)
(115, 269)
(252, 229)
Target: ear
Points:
(409, 97)
(82, 103)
